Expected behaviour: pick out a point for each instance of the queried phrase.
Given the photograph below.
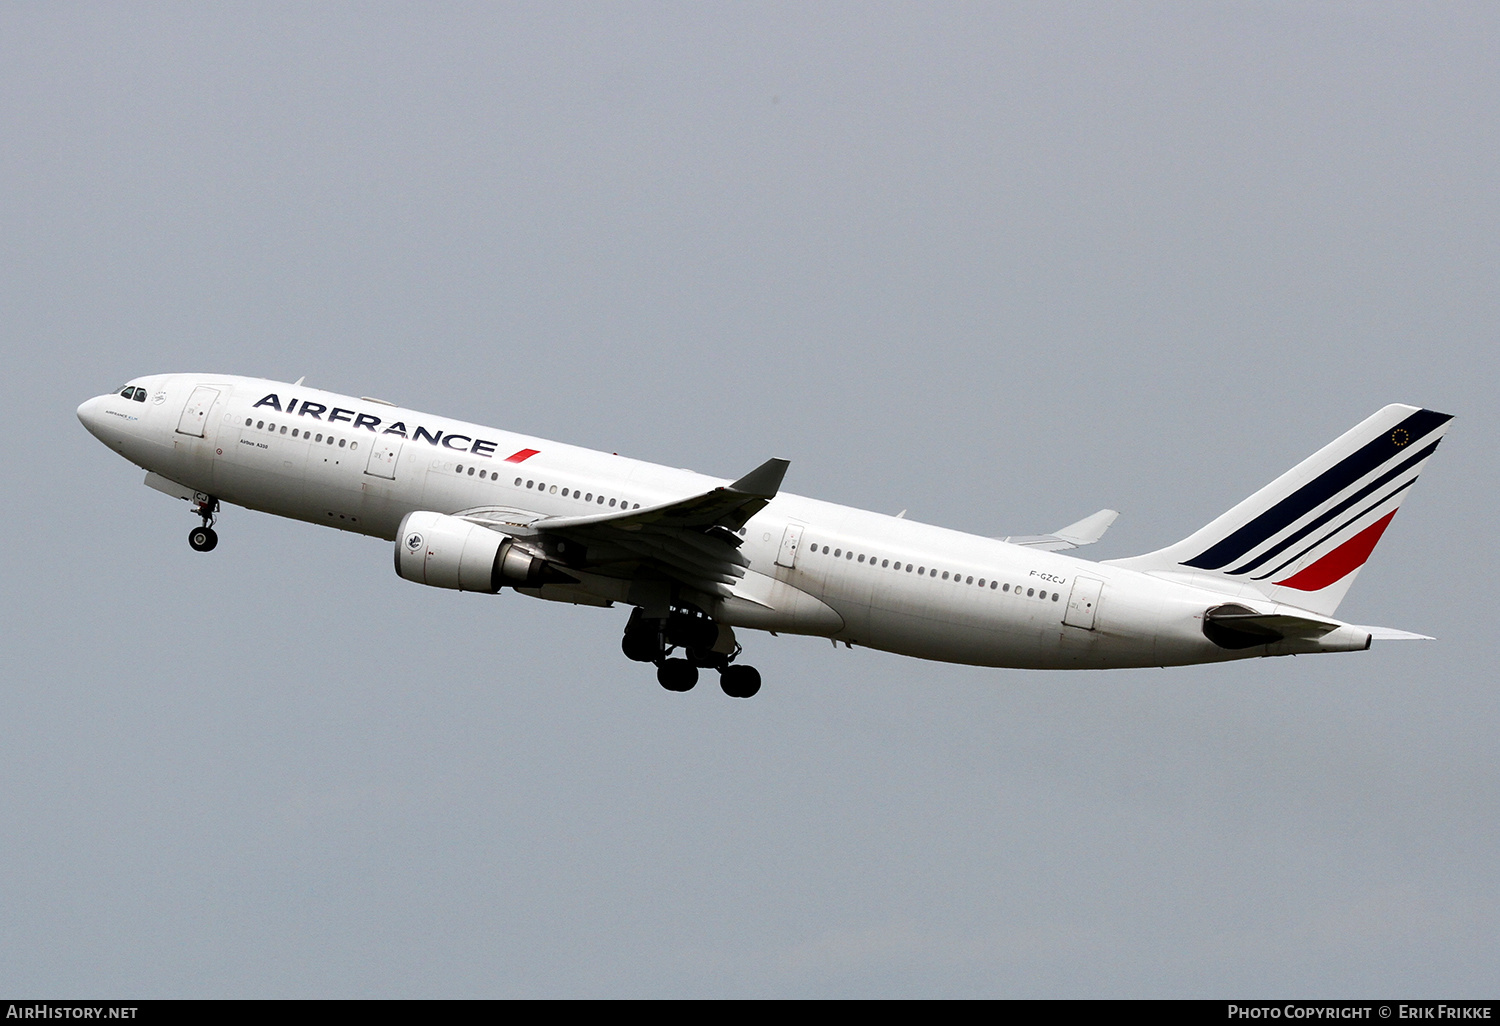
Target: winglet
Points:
(764, 481)
(1085, 532)
(1090, 529)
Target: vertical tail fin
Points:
(1302, 538)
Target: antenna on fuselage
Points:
(299, 381)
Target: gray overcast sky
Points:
(1000, 265)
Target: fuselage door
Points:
(791, 544)
(195, 413)
(383, 456)
(1083, 603)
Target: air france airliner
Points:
(475, 508)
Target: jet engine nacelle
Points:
(450, 552)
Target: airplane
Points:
(475, 508)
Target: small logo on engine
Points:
(414, 541)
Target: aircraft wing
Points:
(691, 540)
(1083, 532)
(728, 506)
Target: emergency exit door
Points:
(791, 543)
(195, 413)
(383, 458)
(1083, 603)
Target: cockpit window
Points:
(128, 392)
(140, 394)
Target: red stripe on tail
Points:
(1341, 562)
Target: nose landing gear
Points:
(701, 640)
(203, 539)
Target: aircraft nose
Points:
(89, 416)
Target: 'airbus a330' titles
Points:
(696, 558)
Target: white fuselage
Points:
(362, 465)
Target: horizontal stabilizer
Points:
(1391, 634)
(1234, 626)
(1276, 626)
(1084, 532)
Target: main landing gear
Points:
(705, 645)
(203, 539)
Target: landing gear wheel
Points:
(642, 646)
(643, 641)
(677, 674)
(203, 539)
(740, 681)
